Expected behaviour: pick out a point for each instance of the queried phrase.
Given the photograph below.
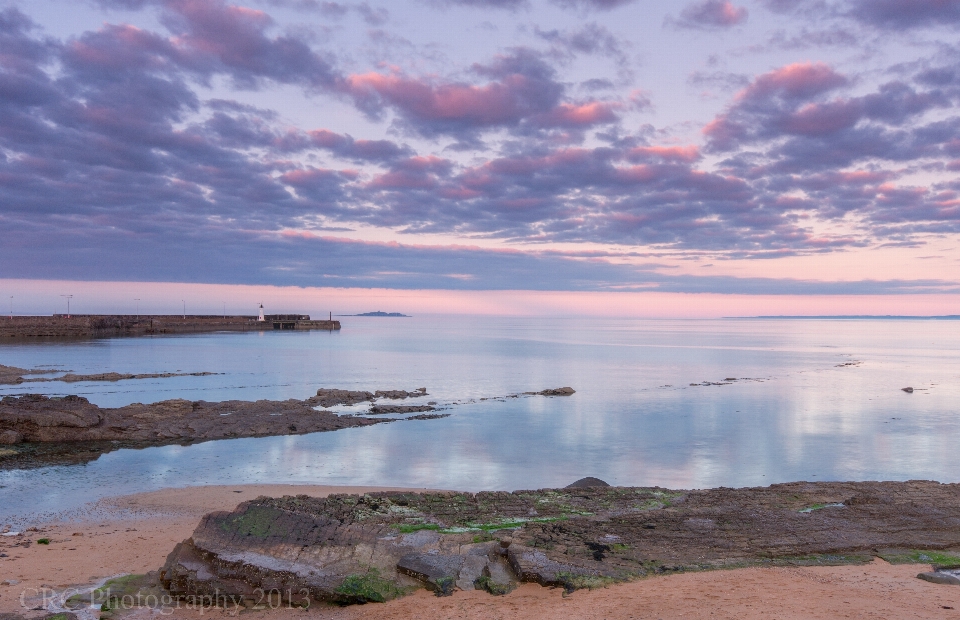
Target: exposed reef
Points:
(41, 430)
(10, 375)
(37, 430)
(354, 549)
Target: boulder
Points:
(471, 570)
(10, 437)
(564, 391)
(940, 577)
(535, 566)
(587, 482)
(497, 578)
(438, 572)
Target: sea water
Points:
(811, 400)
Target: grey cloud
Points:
(709, 14)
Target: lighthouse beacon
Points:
(261, 319)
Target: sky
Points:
(793, 154)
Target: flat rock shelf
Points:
(362, 548)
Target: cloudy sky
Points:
(753, 147)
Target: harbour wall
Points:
(104, 326)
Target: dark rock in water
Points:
(908, 390)
(382, 409)
(589, 481)
(400, 394)
(940, 577)
(331, 397)
(428, 416)
(564, 391)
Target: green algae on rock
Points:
(344, 548)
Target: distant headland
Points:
(886, 317)
(379, 313)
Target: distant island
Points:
(948, 317)
(378, 313)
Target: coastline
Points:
(134, 534)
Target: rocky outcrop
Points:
(942, 577)
(399, 409)
(350, 548)
(44, 419)
(11, 375)
(589, 481)
(70, 429)
(331, 397)
(117, 376)
(564, 391)
(36, 418)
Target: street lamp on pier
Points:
(69, 297)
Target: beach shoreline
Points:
(133, 534)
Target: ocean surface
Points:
(812, 400)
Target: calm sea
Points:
(813, 400)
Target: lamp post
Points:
(137, 299)
(184, 308)
(11, 306)
(69, 297)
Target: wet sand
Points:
(133, 534)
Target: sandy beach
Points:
(133, 534)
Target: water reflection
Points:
(635, 419)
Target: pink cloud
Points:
(816, 119)
(795, 81)
(573, 115)
(712, 14)
(413, 173)
(686, 154)
(637, 174)
(482, 105)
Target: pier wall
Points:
(103, 326)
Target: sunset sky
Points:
(799, 150)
